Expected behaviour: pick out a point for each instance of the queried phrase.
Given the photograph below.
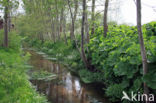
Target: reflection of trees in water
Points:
(70, 91)
(73, 88)
(59, 94)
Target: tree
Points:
(87, 37)
(141, 40)
(83, 55)
(105, 25)
(7, 6)
(6, 12)
(45, 18)
(93, 17)
(73, 17)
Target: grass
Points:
(15, 86)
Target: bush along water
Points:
(116, 59)
(14, 82)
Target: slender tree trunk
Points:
(9, 21)
(57, 23)
(76, 9)
(141, 40)
(64, 29)
(53, 30)
(61, 21)
(73, 17)
(93, 17)
(105, 25)
(58, 27)
(6, 11)
(82, 38)
(73, 22)
(86, 28)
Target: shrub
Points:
(118, 57)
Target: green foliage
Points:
(150, 78)
(13, 4)
(118, 57)
(59, 49)
(115, 92)
(15, 87)
(150, 29)
(43, 75)
(90, 77)
(1, 37)
(14, 83)
(14, 40)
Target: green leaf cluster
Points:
(118, 56)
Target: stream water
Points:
(69, 89)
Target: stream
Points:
(69, 89)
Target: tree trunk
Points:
(61, 21)
(83, 56)
(58, 27)
(53, 30)
(86, 28)
(73, 17)
(58, 20)
(6, 11)
(64, 31)
(141, 40)
(64, 28)
(105, 25)
(72, 30)
(9, 21)
(93, 17)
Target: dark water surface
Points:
(69, 89)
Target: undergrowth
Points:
(14, 82)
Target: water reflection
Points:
(71, 90)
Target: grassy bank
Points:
(15, 86)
